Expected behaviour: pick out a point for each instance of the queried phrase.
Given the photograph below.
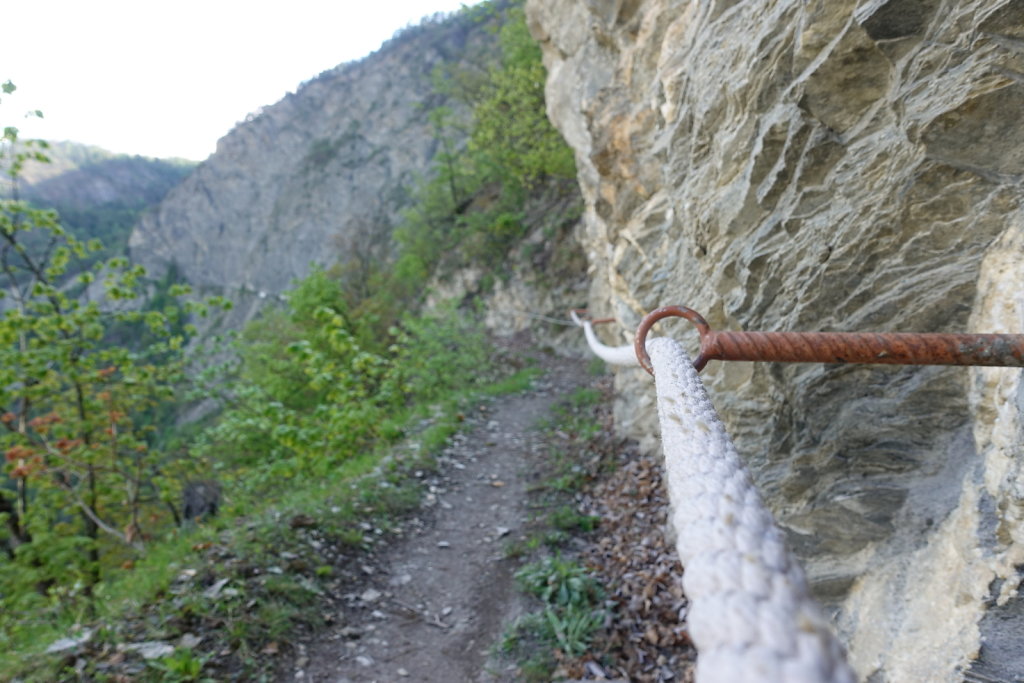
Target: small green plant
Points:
(519, 381)
(559, 582)
(182, 665)
(584, 397)
(567, 518)
(571, 614)
(596, 367)
(573, 627)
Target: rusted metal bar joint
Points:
(582, 313)
(893, 348)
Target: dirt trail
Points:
(435, 601)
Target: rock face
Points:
(828, 166)
(317, 176)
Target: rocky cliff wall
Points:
(315, 178)
(835, 165)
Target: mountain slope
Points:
(79, 177)
(322, 173)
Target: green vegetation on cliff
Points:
(474, 207)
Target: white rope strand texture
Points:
(751, 615)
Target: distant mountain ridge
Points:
(81, 176)
(98, 194)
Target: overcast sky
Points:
(162, 78)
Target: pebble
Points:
(444, 544)
(401, 580)
(402, 672)
(189, 641)
(363, 660)
(150, 649)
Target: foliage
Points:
(472, 207)
(559, 582)
(566, 623)
(111, 224)
(330, 397)
(82, 486)
(511, 133)
(181, 665)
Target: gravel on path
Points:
(436, 600)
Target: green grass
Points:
(566, 518)
(182, 665)
(596, 367)
(517, 382)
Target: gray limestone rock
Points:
(317, 178)
(827, 166)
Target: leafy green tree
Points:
(82, 482)
(329, 397)
(304, 410)
(472, 208)
(511, 135)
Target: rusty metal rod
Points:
(582, 312)
(894, 348)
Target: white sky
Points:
(168, 78)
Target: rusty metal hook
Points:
(891, 348)
(640, 341)
(584, 315)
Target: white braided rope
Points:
(751, 615)
(615, 355)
